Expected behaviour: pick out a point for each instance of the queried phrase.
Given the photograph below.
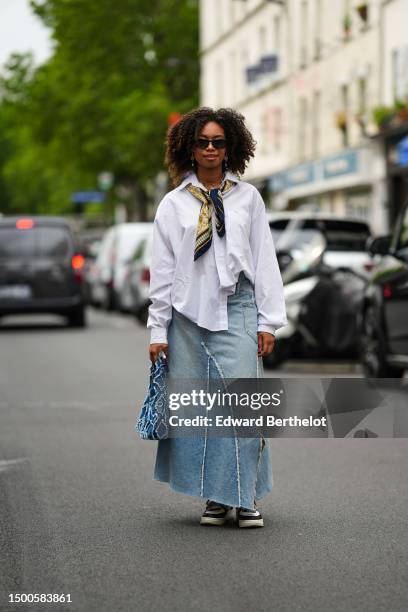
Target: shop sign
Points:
(337, 165)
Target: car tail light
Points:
(24, 224)
(146, 275)
(77, 263)
(387, 291)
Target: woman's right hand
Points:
(155, 350)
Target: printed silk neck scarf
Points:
(204, 228)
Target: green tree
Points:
(100, 102)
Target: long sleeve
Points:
(268, 284)
(161, 280)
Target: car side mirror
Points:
(380, 245)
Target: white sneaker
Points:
(249, 518)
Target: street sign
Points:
(84, 197)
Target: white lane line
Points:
(8, 464)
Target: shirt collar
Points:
(191, 177)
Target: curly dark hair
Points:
(181, 138)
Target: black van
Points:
(41, 270)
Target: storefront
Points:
(349, 183)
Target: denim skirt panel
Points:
(233, 471)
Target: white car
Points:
(139, 279)
(135, 290)
(345, 237)
(117, 247)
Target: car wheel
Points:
(77, 317)
(372, 348)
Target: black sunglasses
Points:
(202, 143)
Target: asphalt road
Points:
(80, 514)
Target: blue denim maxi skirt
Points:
(233, 471)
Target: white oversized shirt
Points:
(199, 289)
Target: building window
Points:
(217, 18)
(318, 29)
(316, 124)
(358, 205)
(362, 95)
(302, 131)
(400, 73)
(277, 34)
(344, 113)
(362, 104)
(303, 33)
(262, 41)
(220, 84)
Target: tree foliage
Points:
(100, 102)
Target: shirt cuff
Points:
(158, 335)
(267, 328)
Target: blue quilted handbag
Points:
(152, 422)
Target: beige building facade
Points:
(306, 74)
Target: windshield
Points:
(296, 239)
(339, 235)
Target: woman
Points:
(217, 300)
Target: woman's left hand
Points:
(266, 342)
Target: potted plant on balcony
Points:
(401, 108)
(383, 116)
(341, 120)
(346, 26)
(362, 10)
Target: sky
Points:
(20, 30)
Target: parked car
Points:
(322, 307)
(345, 238)
(136, 286)
(91, 253)
(117, 246)
(384, 324)
(41, 268)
